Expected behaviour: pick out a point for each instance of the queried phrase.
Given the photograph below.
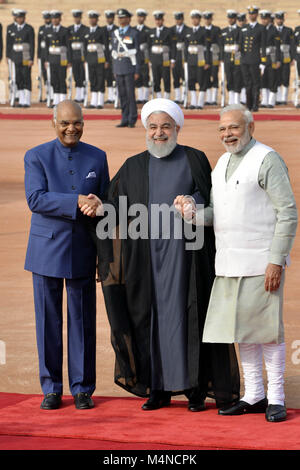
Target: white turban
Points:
(164, 105)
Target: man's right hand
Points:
(185, 205)
(89, 204)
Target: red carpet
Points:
(106, 117)
(119, 423)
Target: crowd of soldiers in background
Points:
(248, 62)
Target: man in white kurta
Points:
(254, 215)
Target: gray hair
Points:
(65, 102)
(247, 115)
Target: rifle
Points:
(48, 86)
(12, 82)
(296, 84)
(40, 81)
(70, 83)
(222, 84)
(151, 82)
(185, 84)
(86, 84)
(116, 94)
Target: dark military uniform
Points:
(41, 46)
(196, 54)
(269, 77)
(286, 36)
(231, 56)
(108, 73)
(96, 54)
(297, 47)
(1, 42)
(76, 44)
(20, 49)
(161, 52)
(213, 41)
(126, 63)
(58, 57)
(178, 33)
(142, 83)
(253, 53)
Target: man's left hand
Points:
(272, 277)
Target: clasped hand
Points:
(90, 205)
(185, 205)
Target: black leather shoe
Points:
(276, 413)
(83, 401)
(242, 407)
(131, 125)
(52, 401)
(122, 124)
(158, 399)
(200, 406)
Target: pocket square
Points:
(91, 174)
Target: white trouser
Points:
(140, 94)
(251, 356)
(177, 94)
(193, 96)
(100, 99)
(201, 99)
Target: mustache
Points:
(160, 138)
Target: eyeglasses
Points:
(69, 123)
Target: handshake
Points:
(90, 205)
(186, 206)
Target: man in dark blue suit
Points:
(59, 175)
(126, 66)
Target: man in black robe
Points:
(156, 289)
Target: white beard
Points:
(164, 149)
(241, 143)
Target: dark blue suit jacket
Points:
(59, 243)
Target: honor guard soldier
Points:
(253, 54)
(126, 66)
(197, 60)
(178, 31)
(241, 22)
(231, 56)
(108, 74)
(58, 57)
(213, 38)
(41, 48)
(161, 52)
(97, 58)
(142, 83)
(297, 55)
(286, 35)
(76, 43)
(269, 77)
(20, 50)
(1, 42)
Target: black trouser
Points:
(283, 75)
(196, 75)
(178, 73)
(23, 77)
(58, 78)
(269, 78)
(143, 79)
(96, 77)
(161, 73)
(251, 77)
(108, 75)
(233, 77)
(213, 77)
(126, 90)
(78, 73)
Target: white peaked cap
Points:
(164, 105)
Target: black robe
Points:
(127, 287)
